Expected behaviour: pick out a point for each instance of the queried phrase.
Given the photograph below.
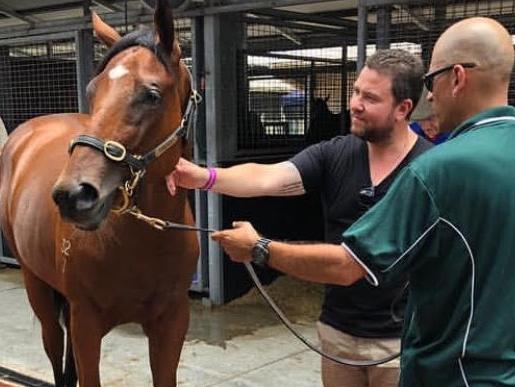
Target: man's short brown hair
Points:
(404, 69)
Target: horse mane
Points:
(142, 37)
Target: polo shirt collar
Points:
(496, 112)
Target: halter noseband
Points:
(137, 164)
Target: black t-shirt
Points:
(339, 170)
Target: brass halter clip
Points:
(154, 222)
(125, 202)
(127, 190)
(133, 182)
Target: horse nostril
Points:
(60, 196)
(85, 197)
(82, 197)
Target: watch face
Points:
(259, 254)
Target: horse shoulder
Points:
(30, 164)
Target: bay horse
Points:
(324, 124)
(86, 268)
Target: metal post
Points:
(85, 57)
(1, 248)
(435, 29)
(362, 35)
(199, 150)
(343, 90)
(7, 105)
(312, 87)
(383, 27)
(6, 101)
(222, 36)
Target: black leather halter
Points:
(117, 152)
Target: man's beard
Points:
(377, 134)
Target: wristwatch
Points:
(260, 252)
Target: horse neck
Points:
(152, 195)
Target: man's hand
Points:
(187, 175)
(238, 242)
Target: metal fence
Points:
(416, 26)
(290, 97)
(38, 75)
(294, 90)
(37, 79)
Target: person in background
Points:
(447, 222)
(424, 122)
(351, 173)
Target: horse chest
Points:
(114, 269)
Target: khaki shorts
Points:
(343, 345)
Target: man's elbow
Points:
(350, 274)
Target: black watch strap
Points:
(264, 242)
(260, 252)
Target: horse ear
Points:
(327, 98)
(163, 20)
(104, 32)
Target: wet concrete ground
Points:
(238, 344)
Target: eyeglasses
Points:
(366, 196)
(429, 77)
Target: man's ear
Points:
(404, 109)
(459, 79)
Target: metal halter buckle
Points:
(113, 146)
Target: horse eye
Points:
(152, 96)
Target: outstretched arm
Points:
(244, 180)
(322, 263)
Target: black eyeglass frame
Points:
(429, 77)
(366, 196)
(368, 192)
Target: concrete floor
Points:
(236, 345)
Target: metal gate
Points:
(38, 76)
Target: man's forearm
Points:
(322, 263)
(243, 180)
(252, 180)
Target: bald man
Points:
(448, 223)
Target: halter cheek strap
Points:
(117, 152)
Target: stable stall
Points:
(276, 76)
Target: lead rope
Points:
(305, 341)
(162, 225)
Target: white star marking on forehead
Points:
(118, 72)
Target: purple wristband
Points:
(211, 179)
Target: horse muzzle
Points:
(80, 204)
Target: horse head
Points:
(137, 98)
(319, 106)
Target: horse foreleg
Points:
(70, 372)
(86, 334)
(165, 337)
(47, 303)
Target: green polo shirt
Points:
(449, 223)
